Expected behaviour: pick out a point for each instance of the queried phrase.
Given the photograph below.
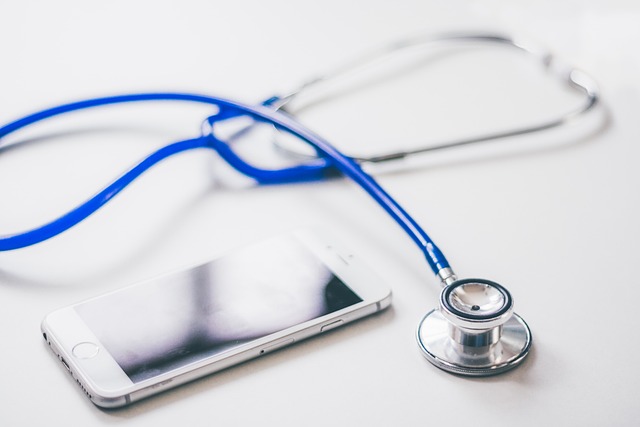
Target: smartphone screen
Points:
(168, 323)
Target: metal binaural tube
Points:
(576, 79)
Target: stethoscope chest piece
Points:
(474, 332)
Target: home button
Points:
(85, 350)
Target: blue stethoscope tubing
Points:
(329, 162)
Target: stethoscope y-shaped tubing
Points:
(344, 164)
(330, 159)
(312, 169)
(74, 216)
(99, 102)
(68, 220)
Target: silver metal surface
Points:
(575, 79)
(437, 345)
(470, 337)
(477, 298)
(474, 331)
(476, 305)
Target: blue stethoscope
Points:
(474, 331)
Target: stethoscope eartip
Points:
(474, 332)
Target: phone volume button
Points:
(332, 325)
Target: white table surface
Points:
(553, 217)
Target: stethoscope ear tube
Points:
(576, 80)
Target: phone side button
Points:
(276, 346)
(332, 325)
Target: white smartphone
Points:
(138, 341)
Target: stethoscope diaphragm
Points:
(474, 331)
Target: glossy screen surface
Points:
(168, 323)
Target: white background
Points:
(553, 217)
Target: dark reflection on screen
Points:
(180, 319)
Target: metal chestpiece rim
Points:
(474, 331)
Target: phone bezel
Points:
(106, 383)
